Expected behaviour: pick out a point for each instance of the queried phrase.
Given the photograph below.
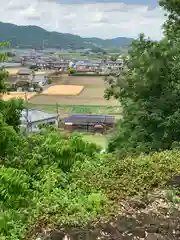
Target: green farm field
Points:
(79, 109)
(81, 55)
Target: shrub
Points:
(72, 70)
(66, 181)
(49, 81)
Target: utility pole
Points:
(57, 112)
(27, 114)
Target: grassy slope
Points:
(98, 139)
(91, 190)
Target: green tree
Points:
(114, 57)
(148, 90)
(3, 72)
(10, 110)
(172, 25)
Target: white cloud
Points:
(103, 20)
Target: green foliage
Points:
(119, 178)
(7, 138)
(72, 70)
(35, 182)
(171, 26)
(11, 111)
(11, 54)
(3, 72)
(86, 109)
(49, 81)
(13, 186)
(67, 181)
(148, 89)
(114, 57)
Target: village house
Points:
(60, 65)
(89, 123)
(32, 118)
(24, 74)
(27, 80)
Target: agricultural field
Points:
(92, 94)
(17, 95)
(12, 71)
(79, 55)
(81, 109)
(66, 90)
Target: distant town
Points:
(51, 77)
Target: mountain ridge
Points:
(38, 37)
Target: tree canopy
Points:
(172, 25)
(10, 112)
(148, 90)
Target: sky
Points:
(88, 18)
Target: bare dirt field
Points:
(92, 93)
(16, 95)
(12, 71)
(65, 90)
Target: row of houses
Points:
(32, 118)
(27, 79)
(42, 60)
(95, 64)
(79, 65)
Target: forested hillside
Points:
(54, 184)
(36, 37)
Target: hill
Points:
(37, 37)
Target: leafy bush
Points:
(67, 181)
(49, 81)
(119, 178)
(14, 186)
(72, 70)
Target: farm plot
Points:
(17, 95)
(60, 90)
(80, 109)
(89, 82)
(92, 94)
(12, 71)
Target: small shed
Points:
(89, 123)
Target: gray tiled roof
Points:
(89, 118)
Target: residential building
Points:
(32, 118)
(89, 123)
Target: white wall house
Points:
(32, 118)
